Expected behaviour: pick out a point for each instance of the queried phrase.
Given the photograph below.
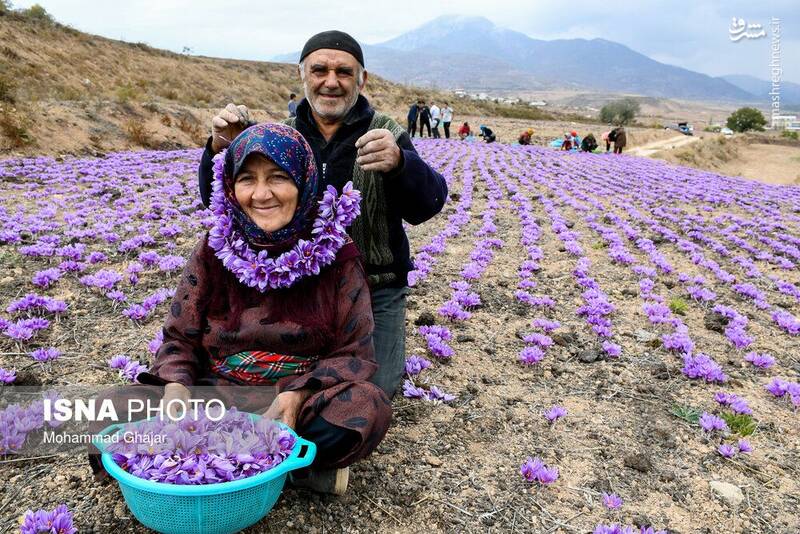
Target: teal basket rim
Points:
(292, 462)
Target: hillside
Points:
(62, 90)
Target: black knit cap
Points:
(335, 40)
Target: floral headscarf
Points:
(288, 149)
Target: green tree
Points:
(619, 112)
(5, 7)
(744, 119)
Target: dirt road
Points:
(665, 144)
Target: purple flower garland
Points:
(306, 258)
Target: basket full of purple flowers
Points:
(198, 475)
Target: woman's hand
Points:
(175, 391)
(286, 406)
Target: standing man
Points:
(620, 139)
(413, 112)
(447, 118)
(435, 119)
(292, 105)
(351, 141)
(424, 119)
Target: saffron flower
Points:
(45, 354)
(59, 521)
(416, 364)
(531, 355)
(7, 376)
(727, 451)
(760, 360)
(534, 470)
(611, 500)
(197, 451)
(710, 423)
(410, 391)
(46, 278)
(555, 413)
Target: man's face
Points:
(330, 80)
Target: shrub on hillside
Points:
(14, 127)
(619, 112)
(37, 12)
(744, 119)
(138, 133)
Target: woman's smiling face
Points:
(266, 193)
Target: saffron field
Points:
(595, 343)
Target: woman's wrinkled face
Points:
(266, 193)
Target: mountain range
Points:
(473, 54)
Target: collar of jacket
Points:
(360, 111)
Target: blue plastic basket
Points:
(209, 508)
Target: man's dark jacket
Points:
(414, 191)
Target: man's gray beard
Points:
(328, 116)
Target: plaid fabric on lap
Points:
(261, 367)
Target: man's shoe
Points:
(331, 481)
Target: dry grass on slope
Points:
(83, 93)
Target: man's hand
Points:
(227, 124)
(286, 406)
(378, 151)
(175, 391)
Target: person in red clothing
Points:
(567, 143)
(464, 131)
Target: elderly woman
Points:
(276, 295)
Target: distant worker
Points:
(436, 118)
(589, 143)
(525, 137)
(487, 134)
(424, 120)
(605, 137)
(464, 131)
(576, 140)
(292, 105)
(620, 139)
(447, 118)
(566, 144)
(413, 113)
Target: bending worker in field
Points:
(351, 141)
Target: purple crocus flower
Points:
(612, 349)
(411, 391)
(710, 423)
(534, 470)
(416, 364)
(531, 355)
(760, 360)
(7, 376)
(436, 394)
(744, 446)
(555, 413)
(611, 500)
(45, 354)
(777, 387)
(46, 278)
(119, 361)
(727, 451)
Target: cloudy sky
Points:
(690, 34)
